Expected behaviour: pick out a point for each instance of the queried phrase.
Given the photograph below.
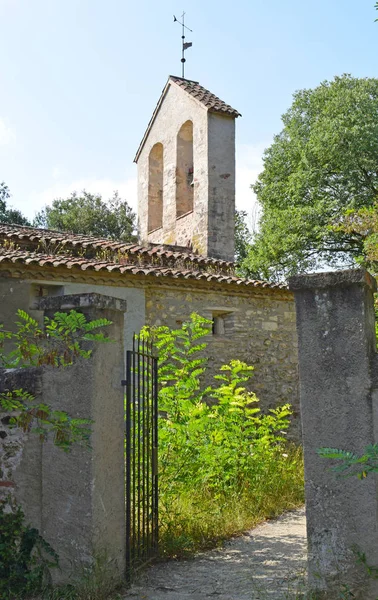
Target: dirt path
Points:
(267, 563)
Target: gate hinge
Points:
(123, 381)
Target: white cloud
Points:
(7, 135)
(126, 188)
(249, 165)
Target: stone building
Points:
(186, 171)
(184, 262)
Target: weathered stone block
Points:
(269, 326)
(335, 324)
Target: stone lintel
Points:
(328, 279)
(77, 301)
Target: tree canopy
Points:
(89, 214)
(322, 164)
(364, 223)
(242, 236)
(9, 214)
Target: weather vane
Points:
(185, 45)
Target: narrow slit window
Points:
(218, 326)
(223, 323)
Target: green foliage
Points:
(57, 344)
(43, 420)
(352, 464)
(217, 450)
(243, 237)
(322, 163)
(363, 224)
(25, 557)
(89, 214)
(9, 214)
(96, 581)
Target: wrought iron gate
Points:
(141, 455)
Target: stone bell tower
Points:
(186, 171)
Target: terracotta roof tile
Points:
(46, 248)
(209, 101)
(45, 239)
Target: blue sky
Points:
(80, 78)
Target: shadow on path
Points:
(267, 563)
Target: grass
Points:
(198, 520)
(95, 582)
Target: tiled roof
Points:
(211, 101)
(59, 242)
(46, 248)
(208, 100)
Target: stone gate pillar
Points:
(83, 502)
(336, 335)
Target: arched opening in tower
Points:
(155, 188)
(184, 170)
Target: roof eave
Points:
(232, 115)
(223, 113)
(152, 120)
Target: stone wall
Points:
(77, 499)
(12, 444)
(259, 324)
(211, 229)
(18, 293)
(259, 329)
(338, 371)
(176, 109)
(155, 188)
(221, 202)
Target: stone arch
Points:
(184, 170)
(155, 187)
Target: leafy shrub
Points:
(25, 557)
(223, 465)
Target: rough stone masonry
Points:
(339, 398)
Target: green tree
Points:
(243, 236)
(363, 224)
(9, 214)
(323, 163)
(89, 214)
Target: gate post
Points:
(336, 334)
(83, 493)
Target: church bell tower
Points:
(186, 172)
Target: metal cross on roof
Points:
(185, 45)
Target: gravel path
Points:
(267, 563)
